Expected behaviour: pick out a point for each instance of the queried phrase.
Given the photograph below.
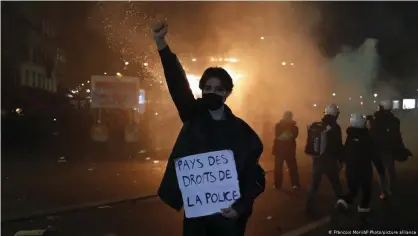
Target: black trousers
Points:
(293, 170)
(324, 166)
(358, 183)
(214, 225)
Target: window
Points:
(44, 27)
(33, 79)
(35, 55)
(47, 84)
(27, 77)
(39, 80)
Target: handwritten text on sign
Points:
(208, 182)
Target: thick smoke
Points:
(355, 70)
(278, 54)
(361, 82)
(283, 67)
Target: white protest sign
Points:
(208, 182)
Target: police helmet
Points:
(385, 105)
(332, 110)
(357, 121)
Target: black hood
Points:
(383, 113)
(330, 120)
(353, 132)
(288, 122)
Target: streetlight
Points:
(375, 95)
(194, 59)
(82, 84)
(126, 63)
(262, 38)
(88, 81)
(361, 96)
(333, 94)
(88, 90)
(105, 73)
(118, 74)
(145, 64)
(292, 64)
(283, 63)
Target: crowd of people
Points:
(209, 125)
(373, 140)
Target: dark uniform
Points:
(359, 154)
(201, 134)
(285, 151)
(377, 162)
(328, 163)
(385, 130)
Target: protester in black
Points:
(209, 125)
(328, 163)
(359, 154)
(377, 162)
(386, 133)
(284, 150)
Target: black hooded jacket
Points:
(386, 132)
(360, 152)
(285, 148)
(334, 146)
(200, 134)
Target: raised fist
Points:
(160, 30)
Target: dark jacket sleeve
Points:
(345, 147)
(375, 158)
(253, 180)
(335, 146)
(295, 131)
(378, 164)
(278, 130)
(177, 83)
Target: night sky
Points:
(393, 23)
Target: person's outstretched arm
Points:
(177, 82)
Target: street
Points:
(34, 185)
(398, 215)
(83, 189)
(275, 213)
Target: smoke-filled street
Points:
(276, 213)
(209, 118)
(70, 183)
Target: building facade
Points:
(31, 55)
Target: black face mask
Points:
(212, 101)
